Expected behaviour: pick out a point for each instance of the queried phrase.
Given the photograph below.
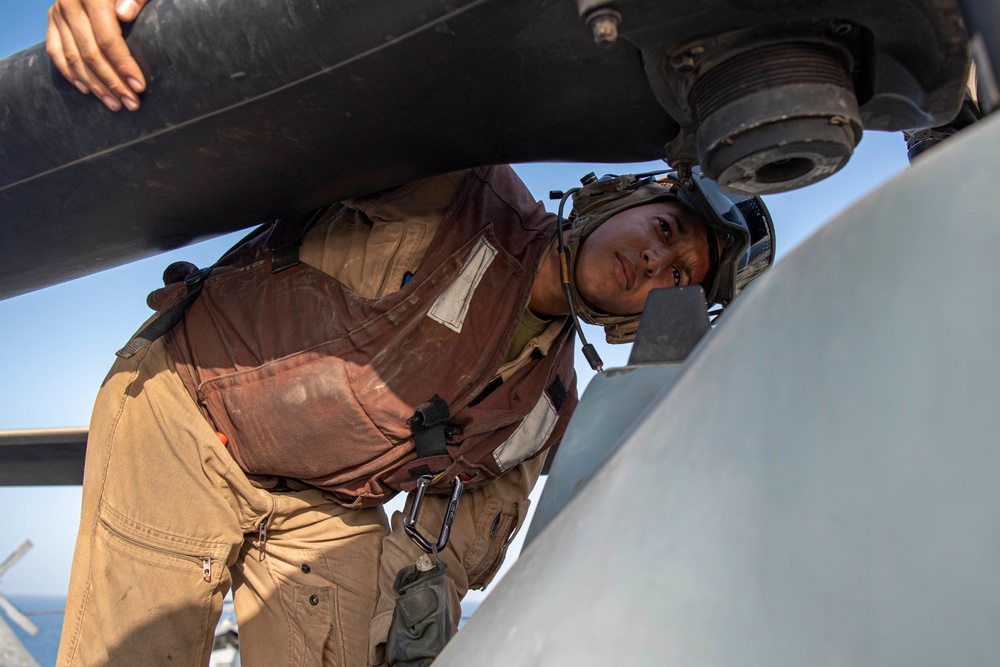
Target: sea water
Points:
(47, 613)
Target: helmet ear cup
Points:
(622, 332)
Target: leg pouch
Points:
(421, 624)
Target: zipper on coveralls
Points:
(262, 538)
(204, 561)
(262, 528)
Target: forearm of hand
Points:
(84, 39)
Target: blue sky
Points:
(57, 344)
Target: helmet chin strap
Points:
(589, 351)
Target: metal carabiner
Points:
(410, 521)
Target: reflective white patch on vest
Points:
(529, 437)
(453, 304)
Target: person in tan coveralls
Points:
(178, 511)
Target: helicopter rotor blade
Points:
(15, 556)
(18, 616)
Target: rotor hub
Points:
(775, 117)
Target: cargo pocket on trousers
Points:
(159, 589)
(496, 526)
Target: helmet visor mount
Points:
(743, 225)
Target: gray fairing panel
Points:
(820, 485)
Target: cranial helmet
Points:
(741, 235)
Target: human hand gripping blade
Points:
(421, 624)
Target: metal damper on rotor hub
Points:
(774, 96)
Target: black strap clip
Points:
(410, 521)
(428, 425)
(169, 318)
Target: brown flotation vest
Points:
(313, 382)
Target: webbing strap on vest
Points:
(285, 257)
(285, 253)
(166, 320)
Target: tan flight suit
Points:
(170, 523)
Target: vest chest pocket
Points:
(295, 417)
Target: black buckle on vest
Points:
(410, 521)
(169, 318)
(428, 426)
(285, 257)
(195, 278)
